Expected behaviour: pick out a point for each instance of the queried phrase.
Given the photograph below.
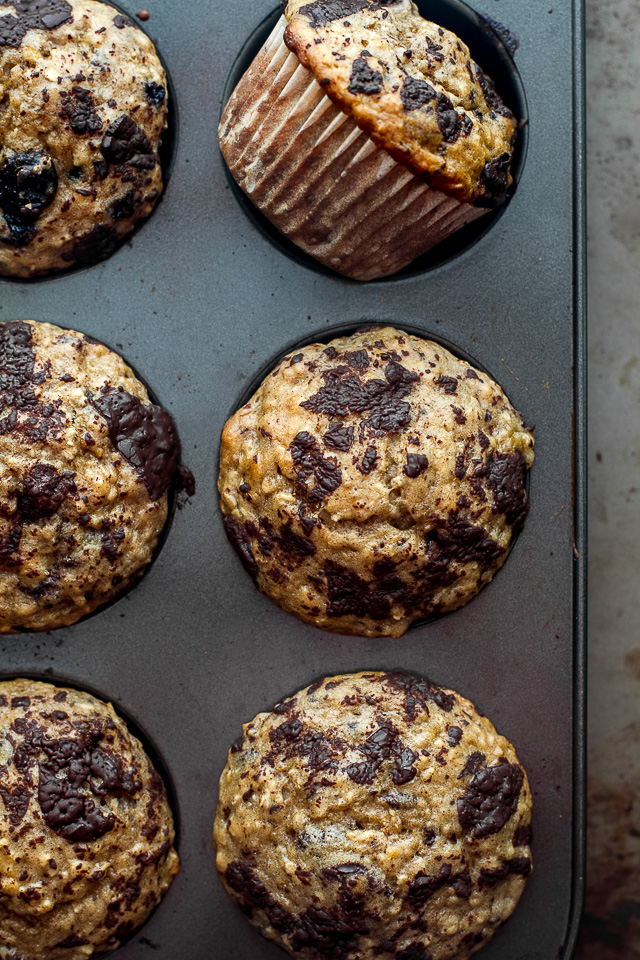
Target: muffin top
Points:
(374, 481)
(84, 106)
(86, 462)
(374, 815)
(413, 87)
(86, 831)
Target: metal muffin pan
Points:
(198, 302)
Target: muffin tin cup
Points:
(199, 302)
(321, 180)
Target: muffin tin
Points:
(199, 302)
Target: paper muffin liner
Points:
(321, 180)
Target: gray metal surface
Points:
(198, 302)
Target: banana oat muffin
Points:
(86, 831)
(86, 462)
(374, 481)
(84, 108)
(367, 134)
(374, 815)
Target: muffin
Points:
(367, 134)
(374, 815)
(86, 463)
(87, 838)
(84, 107)
(374, 481)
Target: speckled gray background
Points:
(612, 924)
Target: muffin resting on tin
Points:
(84, 108)
(374, 815)
(86, 831)
(86, 462)
(367, 134)
(374, 481)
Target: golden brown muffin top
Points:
(374, 815)
(86, 831)
(84, 108)
(413, 87)
(374, 481)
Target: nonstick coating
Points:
(198, 302)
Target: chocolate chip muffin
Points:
(374, 815)
(84, 108)
(86, 462)
(86, 831)
(374, 139)
(374, 481)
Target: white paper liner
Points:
(321, 180)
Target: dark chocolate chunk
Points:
(325, 933)
(43, 492)
(73, 940)
(78, 107)
(244, 881)
(344, 393)
(473, 764)
(358, 359)
(518, 866)
(369, 461)
(384, 744)
(127, 143)
(423, 887)
(523, 836)
(418, 693)
(364, 79)
(495, 181)
(449, 384)
(491, 799)
(449, 122)
(121, 22)
(454, 735)
(124, 207)
(145, 436)
(28, 185)
(241, 540)
(322, 12)
(155, 93)
(416, 93)
(463, 542)
(96, 245)
(339, 437)
(505, 475)
(494, 100)
(417, 463)
(309, 462)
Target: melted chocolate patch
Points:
(463, 542)
(43, 492)
(494, 180)
(322, 12)
(494, 100)
(32, 15)
(127, 143)
(491, 799)
(344, 393)
(473, 764)
(309, 462)
(364, 79)
(28, 185)
(24, 415)
(384, 744)
(244, 881)
(418, 693)
(505, 475)
(16, 802)
(96, 245)
(339, 437)
(324, 932)
(449, 384)
(518, 866)
(449, 121)
(523, 836)
(415, 93)
(145, 436)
